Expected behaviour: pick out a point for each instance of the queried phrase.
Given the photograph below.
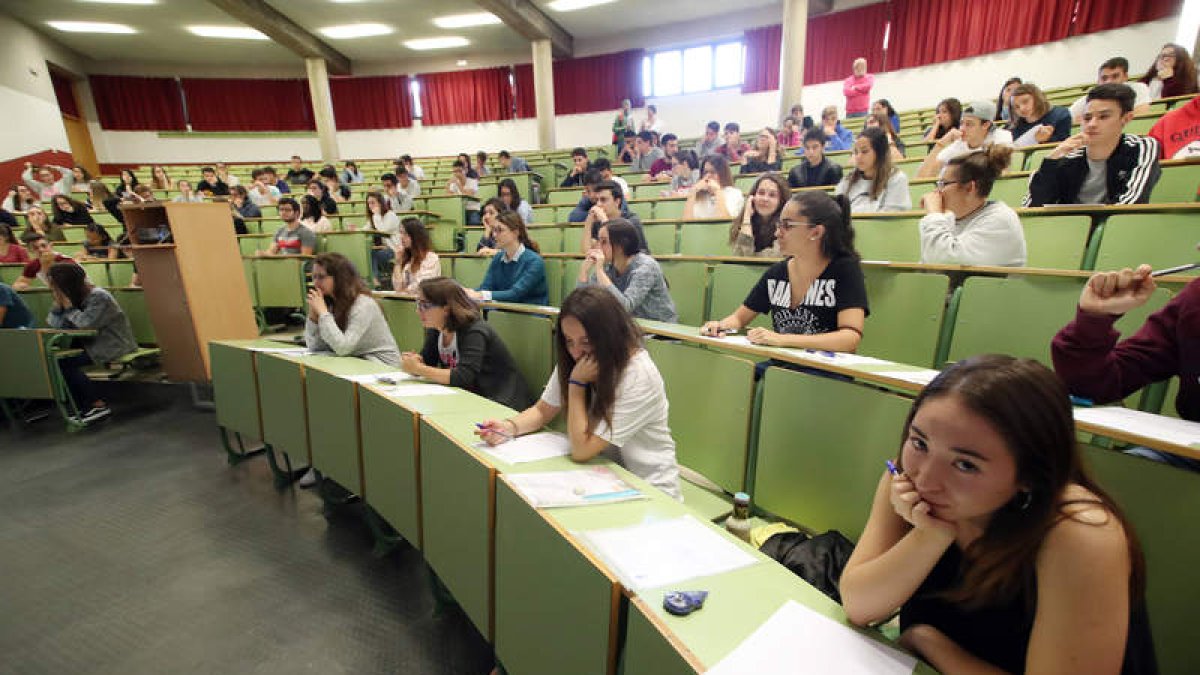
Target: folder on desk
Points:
(578, 487)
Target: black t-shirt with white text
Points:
(840, 286)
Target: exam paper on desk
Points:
(376, 378)
(530, 447)
(401, 390)
(280, 350)
(1170, 429)
(578, 487)
(664, 552)
(798, 640)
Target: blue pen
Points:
(891, 467)
(494, 430)
(822, 352)
(1082, 402)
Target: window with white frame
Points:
(693, 69)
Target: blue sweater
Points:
(844, 140)
(523, 280)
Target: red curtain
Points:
(932, 31)
(64, 93)
(763, 47)
(371, 102)
(595, 83)
(466, 96)
(833, 42)
(248, 105)
(137, 103)
(526, 99)
(1097, 15)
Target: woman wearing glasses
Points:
(461, 349)
(961, 225)
(343, 318)
(816, 295)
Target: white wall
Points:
(31, 119)
(1062, 63)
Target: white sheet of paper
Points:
(921, 377)
(666, 552)
(840, 358)
(798, 640)
(374, 378)
(280, 350)
(530, 447)
(579, 487)
(740, 340)
(419, 390)
(1170, 429)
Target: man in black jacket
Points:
(1101, 164)
(816, 169)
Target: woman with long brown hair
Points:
(609, 388)
(753, 234)
(36, 222)
(416, 260)
(343, 318)
(875, 184)
(67, 211)
(11, 250)
(517, 272)
(1172, 74)
(461, 349)
(1000, 550)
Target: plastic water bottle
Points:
(739, 522)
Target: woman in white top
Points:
(186, 194)
(312, 216)
(961, 226)
(714, 195)
(610, 389)
(415, 261)
(508, 193)
(387, 223)
(875, 184)
(224, 176)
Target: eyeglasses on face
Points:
(425, 305)
(941, 183)
(788, 223)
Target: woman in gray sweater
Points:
(343, 318)
(80, 305)
(875, 184)
(632, 276)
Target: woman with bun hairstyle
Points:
(961, 225)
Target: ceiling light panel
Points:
(466, 20)
(356, 30)
(91, 27)
(572, 5)
(121, 2)
(446, 42)
(230, 32)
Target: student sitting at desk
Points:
(42, 256)
(1002, 554)
(1095, 366)
(516, 273)
(343, 317)
(293, 238)
(80, 305)
(14, 313)
(416, 260)
(11, 250)
(816, 296)
(613, 394)
(98, 244)
(753, 234)
(631, 276)
(36, 222)
(961, 225)
(461, 349)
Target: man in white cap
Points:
(975, 132)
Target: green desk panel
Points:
(235, 387)
(281, 399)
(280, 281)
(332, 404)
(23, 362)
(354, 245)
(390, 461)
(555, 609)
(401, 316)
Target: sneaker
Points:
(93, 415)
(309, 479)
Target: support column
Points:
(543, 92)
(791, 55)
(322, 103)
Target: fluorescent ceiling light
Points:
(355, 30)
(466, 20)
(123, 2)
(460, 62)
(233, 32)
(437, 43)
(572, 5)
(90, 27)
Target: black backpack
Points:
(818, 560)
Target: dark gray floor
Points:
(133, 548)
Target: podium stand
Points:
(191, 269)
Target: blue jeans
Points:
(77, 381)
(858, 114)
(379, 258)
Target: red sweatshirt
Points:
(1178, 132)
(1093, 365)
